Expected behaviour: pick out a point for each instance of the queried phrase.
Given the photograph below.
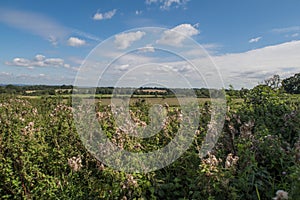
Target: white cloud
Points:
(249, 68)
(53, 40)
(5, 74)
(286, 29)
(147, 48)
(295, 35)
(208, 49)
(254, 40)
(19, 62)
(122, 67)
(151, 1)
(56, 62)
(76, 42)
(34, 23)
(86, 35)
(106, 15)
(39, 57)
(176, 35)
(138, 12)
(39, 25)
(34, 79)
(167, 4)
(245, 69)
(124, 40)
(38, 61)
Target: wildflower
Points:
(246, 129)
(28, 129)
(231, 161)
(75, 163)
(210, 164)
(34, 111)
(100, 115)
(22, 119)
(281, 195)
(100, 166)
(143, 124)
(131, 182)
(197, 132)
(31, 124)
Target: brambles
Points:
(41, 155)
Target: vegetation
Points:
(292, 84)
(40, 90)
(256, 156)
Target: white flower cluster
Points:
(130, 182)
(231, 161)
(29, 129)
(281, 195)
(75, 163)
(210, 164)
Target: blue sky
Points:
(45, 42)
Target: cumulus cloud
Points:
(124, 40)
(38, 61)
(177, 35)
(39, 57)
(167, 4)
(106, 15)
(122, 67)
(254, 40)
(147, 48)
(249, 68)
(76, 42)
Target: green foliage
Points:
(42, 157)
(292, 84)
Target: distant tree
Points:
(292, 84)
(273, 82)
(51, 91)
(11, 89)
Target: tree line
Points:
(289, 85)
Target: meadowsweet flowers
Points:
(75, 163)
(210, 164)
(231, 161)
(130, 182)
(281, 195)
(29, 129)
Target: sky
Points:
(197, 43)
